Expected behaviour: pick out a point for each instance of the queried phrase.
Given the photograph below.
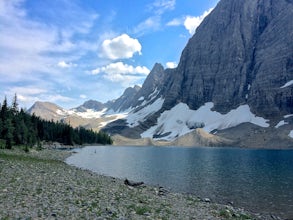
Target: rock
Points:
(206, 200)
(132, 183)
(162, 191)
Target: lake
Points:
(257, 180)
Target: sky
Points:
(70, 51)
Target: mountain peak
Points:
(91, 104)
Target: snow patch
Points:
(288, 116)
(134, 118)
(61, 112)
(141, 98)
(89, 113)
(181, 120)
(291, 134)
(281, 123)
(287, 84)
(116, 117)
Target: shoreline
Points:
(41, 185)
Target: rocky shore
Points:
(39, 185)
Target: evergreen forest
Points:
(18, 128)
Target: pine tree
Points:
(15, 105)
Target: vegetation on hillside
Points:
(20, 128)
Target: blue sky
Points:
(69, 51)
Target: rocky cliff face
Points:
(241, 53)
(125, 101)
(237, 68)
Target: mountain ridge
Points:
(236, 69)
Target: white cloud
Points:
(171, 65)
(160, 6)
(27, 95)
(121, 69)
(57, 98)
(122, 73)
(83, 96)
(120, 47)
(29, 48)
(175, 22)
(152, 23)
(63, 64)
(191, 23)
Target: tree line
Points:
(20, 128)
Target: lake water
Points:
(257, 180)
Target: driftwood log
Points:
(132, 183)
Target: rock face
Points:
(125, 101)
(241, 53)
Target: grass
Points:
(25, 158)
(141, 210)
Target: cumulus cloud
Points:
(122, 73)
(121, 68)
(171, 65)
(120, 47)
(191, 23)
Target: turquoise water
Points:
(257, 180)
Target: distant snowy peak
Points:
(181, 120)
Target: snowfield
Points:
(181, 120)
(134, 118)
(90, 113)
(291, 134)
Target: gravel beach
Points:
(39, 185)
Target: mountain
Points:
(236, 69)
(125, 101)
(241, 54)
(90, 104)
(47, 110)
(233, 84)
